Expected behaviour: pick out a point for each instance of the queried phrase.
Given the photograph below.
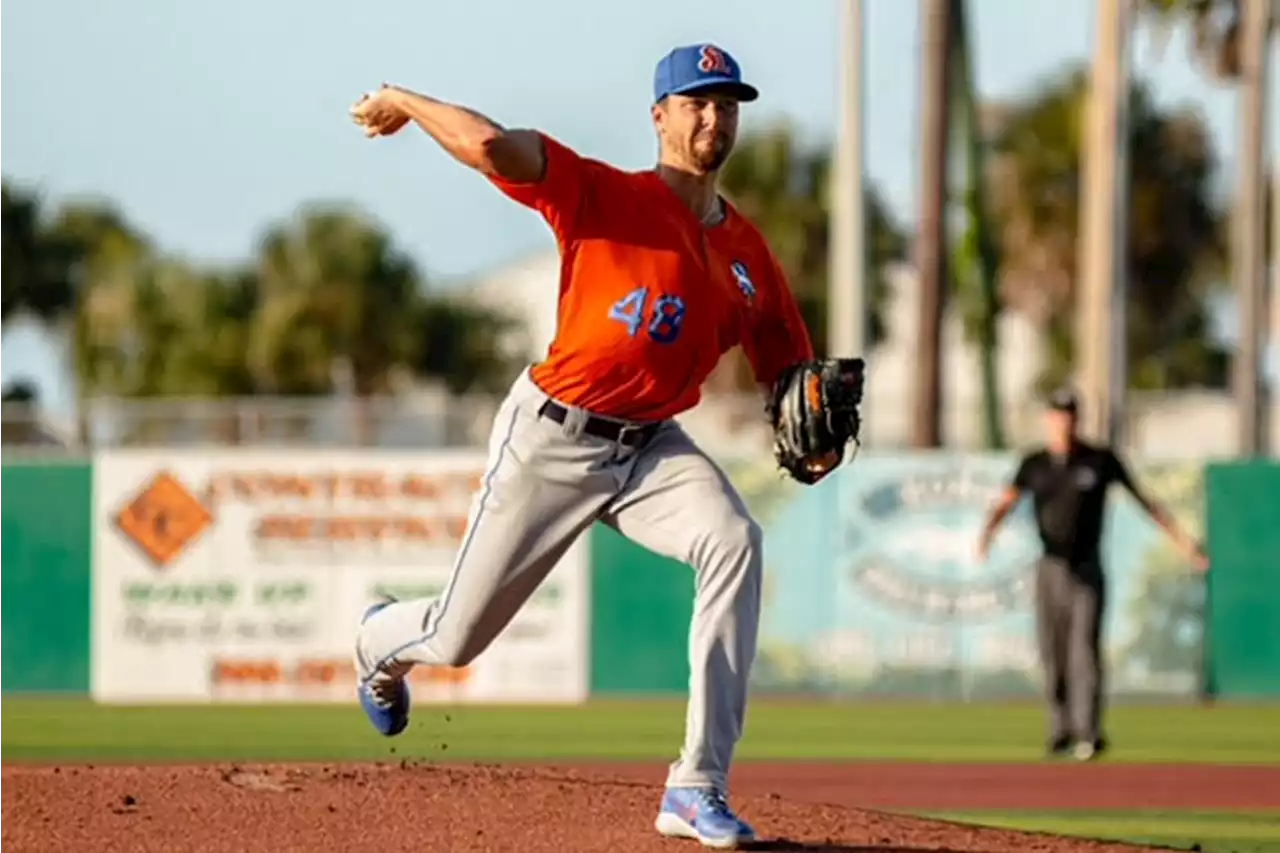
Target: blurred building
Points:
(525, 288)
(893, 365)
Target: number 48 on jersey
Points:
(662, 318)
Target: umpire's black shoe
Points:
(1060, 745)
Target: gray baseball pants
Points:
(545, 485)
(1070, 600)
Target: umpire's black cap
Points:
(1064, 400)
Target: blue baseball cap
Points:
(700, 66)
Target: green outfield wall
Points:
(45, 576)
(1242, 651)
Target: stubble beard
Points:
(711, 157)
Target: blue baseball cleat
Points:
(702, 814)
(385, 699)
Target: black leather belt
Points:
(628, 435)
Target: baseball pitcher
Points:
(660, 276)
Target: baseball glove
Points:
(813, 407)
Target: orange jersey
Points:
(650, 299)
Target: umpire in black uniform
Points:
(1068, 480)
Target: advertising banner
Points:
(873, 585)
(241, 575)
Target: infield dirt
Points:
(463, 808)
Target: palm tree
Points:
(335, 296)
(1216, 31)
(1229, 38)
(106, 255)
(148, 325)
(1175, 232)
(975, 260)
(109, 325)
(931, 245)
(198, 325)
(36, 265)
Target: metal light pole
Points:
(849, 303)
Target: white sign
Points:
(241, 575)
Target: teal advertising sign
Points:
(874, 587)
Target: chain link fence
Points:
(1184, 425)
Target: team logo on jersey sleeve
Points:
(745, 284)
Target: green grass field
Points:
(47, 730)
(56, 729)
(1216, 832)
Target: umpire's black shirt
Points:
(1069, 494)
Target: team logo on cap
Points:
(739, 270)
(712, 60)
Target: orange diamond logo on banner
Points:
(163, 519)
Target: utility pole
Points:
(1249, 228)
(931, 239)
(849, 303)
(1118, 369)
(1103, 245)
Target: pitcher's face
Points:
(698, 130)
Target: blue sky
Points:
(207, 122)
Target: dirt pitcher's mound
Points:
(322, 808)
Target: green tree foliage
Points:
(1175, 249)
(327, 288)
(326, 291)
(332, 289)
(37, 266)
(120, 320)
(1216, 28)
(456, 340)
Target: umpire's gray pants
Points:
(1069, 607)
